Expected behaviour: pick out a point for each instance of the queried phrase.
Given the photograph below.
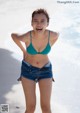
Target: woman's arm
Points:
(54, 37)
(18, 38)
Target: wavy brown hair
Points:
(41, 11)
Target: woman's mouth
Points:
(39, 29)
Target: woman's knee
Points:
(46, 108)
(31, 107)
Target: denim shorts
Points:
(34, 73)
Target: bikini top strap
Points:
(30, 37)
(49, 37)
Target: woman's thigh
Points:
(29, 87)
(45, 86)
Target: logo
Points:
(4, 108)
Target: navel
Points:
(37, 62)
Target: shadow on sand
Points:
(9, 72)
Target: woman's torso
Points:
(38, 60)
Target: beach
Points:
(15, 16)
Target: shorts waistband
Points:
(46, 65)
(26, 63)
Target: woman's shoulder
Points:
(29, 33)
(26, 34)
(54, 33)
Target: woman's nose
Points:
(38, 23)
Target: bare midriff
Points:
(37, 60)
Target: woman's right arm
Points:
(17, 39)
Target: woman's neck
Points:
(39, 35)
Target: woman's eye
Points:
(35, 21)
(42, 21)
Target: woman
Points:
(36, 66)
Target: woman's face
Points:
(39, 22)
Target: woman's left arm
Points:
(54, 36)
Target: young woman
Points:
(36, 66)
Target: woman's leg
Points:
(29, 87)
(45, 86)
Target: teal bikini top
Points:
(31, 50)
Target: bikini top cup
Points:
(31, 50)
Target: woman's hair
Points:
(40, 11)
